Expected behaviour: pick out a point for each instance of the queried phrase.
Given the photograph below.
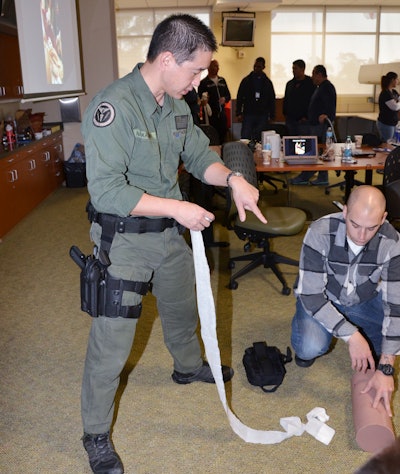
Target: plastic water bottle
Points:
(329, 138)
(347, 153)
(267, 152)
(329, 154)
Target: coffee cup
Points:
(358, 140)
(266, 154)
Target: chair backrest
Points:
(371, 139)
(392, 195)
(212, 134)
(392, 167)
(391, 184)
(238, 157)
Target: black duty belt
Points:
(134, 225)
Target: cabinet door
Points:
(27, 177)
(10, 68)
(37, 170)
(24, 183)
(13, 200)
(56, 149)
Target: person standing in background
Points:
(218, 97)
(322, 107)
(255, 105)
(389, 105)
(192, 100)
(297, 98)
(205, 110)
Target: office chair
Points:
(282, 221)
(391, 186)
(203, 193)
(342, 184)
(211, 133)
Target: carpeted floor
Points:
(160, 427)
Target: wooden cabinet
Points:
(27, 176)
(10, 68)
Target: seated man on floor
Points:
(348, 288)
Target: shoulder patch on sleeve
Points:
(104, 115)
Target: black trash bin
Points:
(75, 174)
(75, 168)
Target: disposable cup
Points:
(266, 154)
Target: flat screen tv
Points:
(238, 31)
(48, 37)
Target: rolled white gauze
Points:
(373, 427)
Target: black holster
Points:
(101, 294)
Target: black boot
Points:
(103, 458)
(203, 374)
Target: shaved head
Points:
(368, 197)
(364, 213)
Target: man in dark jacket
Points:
(218, 96)
(297, 98)
(255, 105)
(322, 107)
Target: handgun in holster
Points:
(92, 281)
(101, 294)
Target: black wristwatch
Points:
(232, 173)
(387, 369)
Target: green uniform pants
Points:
(166, 260)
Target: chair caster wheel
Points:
(286, 291)
(327, 191)
(233, 285)
(231, 265)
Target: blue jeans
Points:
(386, 132)
(310, 339)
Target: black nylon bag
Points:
(265, 365)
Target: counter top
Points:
(7, 153)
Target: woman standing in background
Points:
(389, 105)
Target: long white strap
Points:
(293, 426)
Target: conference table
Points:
(368, 164)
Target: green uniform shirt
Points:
(133, 146)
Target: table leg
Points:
(349, 179)
(368, 176)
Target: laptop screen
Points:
(299, 147)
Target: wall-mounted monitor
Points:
(48, 37)
(238, 30)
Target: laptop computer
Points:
(300, 150)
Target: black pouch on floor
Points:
(265, 365)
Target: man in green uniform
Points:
(136, 132)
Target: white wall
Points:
(99, 57)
